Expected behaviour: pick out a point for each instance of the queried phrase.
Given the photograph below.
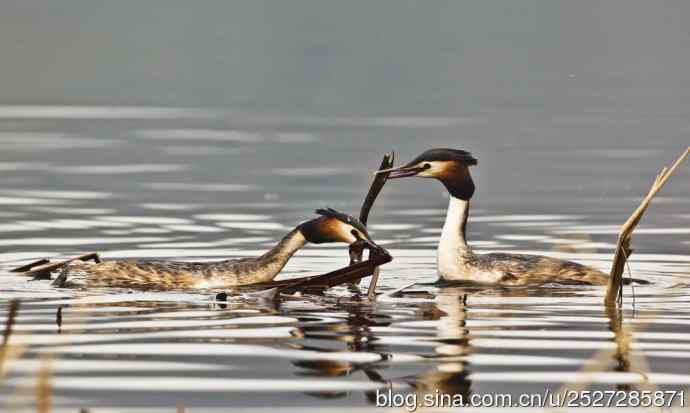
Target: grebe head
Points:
(450, 166)
(335, 226)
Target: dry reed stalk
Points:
(349, 274)
(7, 351)
(371, 291)
(45, 267)
(614, 290)
(44, 388)
(10, 352)
(27, 267)
(9, 323)
(58, 318)
(374, 189)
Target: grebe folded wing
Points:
(522, 269)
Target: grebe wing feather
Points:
(523, 269)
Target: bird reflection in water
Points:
(354, 331)
(450, 377)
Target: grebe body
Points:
(330, 226)
(456, 261)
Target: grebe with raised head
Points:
(455, 259)
(330, 226)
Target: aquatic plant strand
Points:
(614, 290)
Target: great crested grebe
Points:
(331, 226)
(456, 260)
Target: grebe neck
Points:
(265, 267)
(455, 227)
(453, 244)
(273, 261)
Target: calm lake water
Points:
(208, 133)
(193, 185)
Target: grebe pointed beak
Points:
(372, 246)
(367, 242)
(401, 172)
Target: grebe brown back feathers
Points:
(455, 259)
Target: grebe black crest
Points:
(455, 259)
(329, 226)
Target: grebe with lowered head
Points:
(330, 226)
(456, 260)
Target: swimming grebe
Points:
(331, 226)
(455, 259)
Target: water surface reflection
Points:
(203, 191)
